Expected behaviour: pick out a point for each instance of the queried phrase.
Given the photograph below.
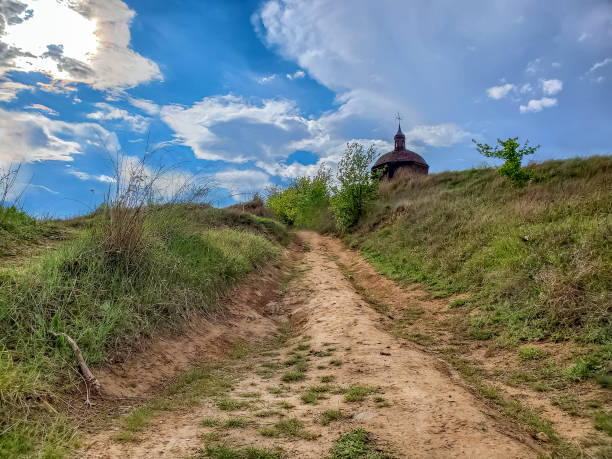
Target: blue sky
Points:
(250, 93)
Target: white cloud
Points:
(242, 182)
(441, 135)
(28, 137)
(42, 108)
(533, 66)
(537, 105)
(556, 64)
(84, 41)
(230, 128)
(598, 65)
(106, 112)
(9, 90)
(147, 106)
(499, 92)
(296, 75)
(583, 36)
(56, 87)
(86, 176)
(266, 79)
(526, 88)
(551, 87)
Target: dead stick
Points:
(88, 376)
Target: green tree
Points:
(357, 185)
(510, 151)
(304, 202)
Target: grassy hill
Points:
(119, 277)
(532, 263)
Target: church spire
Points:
(400, 138)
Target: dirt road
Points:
(340, 371)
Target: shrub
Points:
(513, 155)
(357, 185)
(304, 202)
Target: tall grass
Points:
(535, 260)
(108, 290)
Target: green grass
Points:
(108, 301)
(230, 404)
(530, 353)
(228, 452)
(329, 416)
(293, 376)
(534, 260)
(603, 421)
(314, 394)
(358, 393)
(514, 409)
(568, 404)
(236, 422)
(292, 428)
(18, 229)
(356, 444)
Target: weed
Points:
(236, 422)
(356, 444)
(381, 402)
(531, 353)
(227, 452)
(138, 419)
(458, 302)
(293, 376)
(210, 422)
(302, 347)
(250, 395)
(357, 393)
(603, 421)
(331, 415)
(327, 378)
(335, 362)
(568, 404)
(275, 390)
(292, 428)
(314, 394)
(286, 405)
(228, 404)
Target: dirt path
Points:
(341, 362)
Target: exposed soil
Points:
(414, 403)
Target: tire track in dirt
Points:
(413, 404)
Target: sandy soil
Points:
(430, 412)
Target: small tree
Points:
(357, 185)
(513, 155)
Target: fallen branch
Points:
(88, 376)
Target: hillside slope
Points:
(527, 276)
(535, 260)
(108, 300)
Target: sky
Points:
(253, 93)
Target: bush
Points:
(304, 202)
(357, 185)
(513, 155)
